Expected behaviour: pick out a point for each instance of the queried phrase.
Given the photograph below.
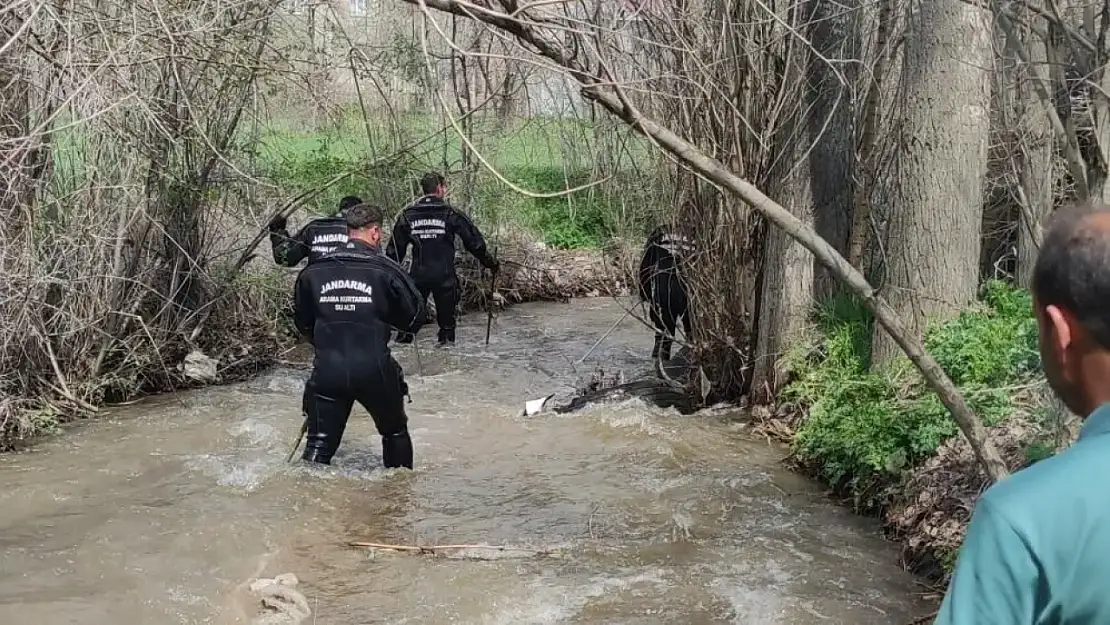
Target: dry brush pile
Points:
(117, 123)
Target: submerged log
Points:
(651, 390)
(672, 390)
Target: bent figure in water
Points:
(663, 287)
(345, 304)
(316, 239)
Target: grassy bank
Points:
(540, 156)
(885, 442)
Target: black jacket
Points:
(430, 226)
(664, 253)
(345, 304)
(317, 238)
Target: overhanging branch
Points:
(716, 172)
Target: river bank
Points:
(886, 446)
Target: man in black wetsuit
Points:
(430, 226)
(345, 304)
(663, 287)
(316, 238)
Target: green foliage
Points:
(570, 221)
(305, 171)
(529, 154)
(865, 428)
(1038, 451)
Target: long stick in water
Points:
(611, 328)
(292, 452)
(489, 305)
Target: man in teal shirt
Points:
(1037, 551)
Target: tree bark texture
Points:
(834, 30)
(1036, 154)
(787, 281)
(933, 237)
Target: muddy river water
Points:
(162, 511)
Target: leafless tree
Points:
(575, 39)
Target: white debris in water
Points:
(285, 604)
(684, 524)
(198, 366)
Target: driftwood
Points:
(668, 392)
(437, 550)
(651, 390)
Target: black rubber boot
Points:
(397, 450)
(447, 338)
(405, 338)
(318, 449)
(327, 419)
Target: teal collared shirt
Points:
(1037, 551)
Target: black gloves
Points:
(277, 223)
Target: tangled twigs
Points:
(928, 618)
(437, 550)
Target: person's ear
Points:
(1062, 327)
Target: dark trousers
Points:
(445, 293)
(327, 405)
(667, 305)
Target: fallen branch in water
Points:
(439, 549)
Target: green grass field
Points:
(539, 155)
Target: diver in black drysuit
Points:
(345, 304)
(314, 240)
(430, 226)
(663, 287)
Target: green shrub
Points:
(865, 428)
(299, 171)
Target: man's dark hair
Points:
(349, 201)
(430, 182)
(1073, 268)
(362, 216)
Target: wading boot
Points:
(325, 430)
(397, 450)
(446, 338)
(318, 449)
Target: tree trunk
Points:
(933, 238)
(1036, 158)
(835, 33)
(786, 298)
(786, 293)
(881, 60)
